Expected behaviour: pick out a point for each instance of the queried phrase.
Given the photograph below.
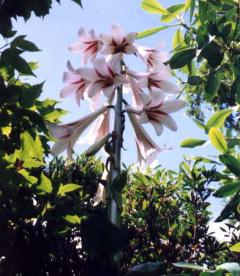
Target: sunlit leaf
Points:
(228, 189)
(235, 247)
(192, 143)
(151, 31)
(74, 219)
(218, 140)
(232, 163)
(45, 185)
(173, 12)
(218, 118)
(63, 189)
(178, 38)
(233, 268)
(189, 266)
(153, 6)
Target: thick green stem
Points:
(113, 209)
(113, 212)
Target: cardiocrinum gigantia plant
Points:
(151, 94)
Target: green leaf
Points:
(235, 247)
(218, 118)
(178, 39)
(23, 44)
(217, 139)
(228, 189)
(211, 273)
(45, 185)
(189, 266)
(151, 31)
(199, 124)
(73, 219)
(187, 4)
(233, 268)
(173, 12)
(153, 6)
(232, 163)
(213, 85)
(27, 176)
(182, 58)
(213, 53)
(79, 2)
(192, 143)
(63, 189)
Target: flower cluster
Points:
(149, 91)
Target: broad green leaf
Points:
(189, 266)
(63, 189)
(233, 268)
(218, 118)
(213, 85)
(173, 12)
(27, 176)
(218, 140)
(235, 247)
(182, 58)
(232, 163)
(178, 39)
(228, 189)
(192, 143)
(74, 219)
(151, 31)
(27, 146)
(153, 6)
(45, 185)
(24, 44)
(54, 115)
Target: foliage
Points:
(206, 52)
(40, 224)
(167, 217)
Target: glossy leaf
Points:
(173, 11)
(218, 118)
(232, 163)
(153, 6)
(212, 87)
(192, 143)
(151, 31)
(228, 189)
(218, 140)
(181, 58)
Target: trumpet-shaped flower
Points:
(89, 44)
(147, 149)
(105, 76)
(152, 56)
(76, 84)
(68, 134)
(157, 81)
(156, 111)
(118, 42)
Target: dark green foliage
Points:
(167, 215)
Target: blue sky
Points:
(56, 31)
